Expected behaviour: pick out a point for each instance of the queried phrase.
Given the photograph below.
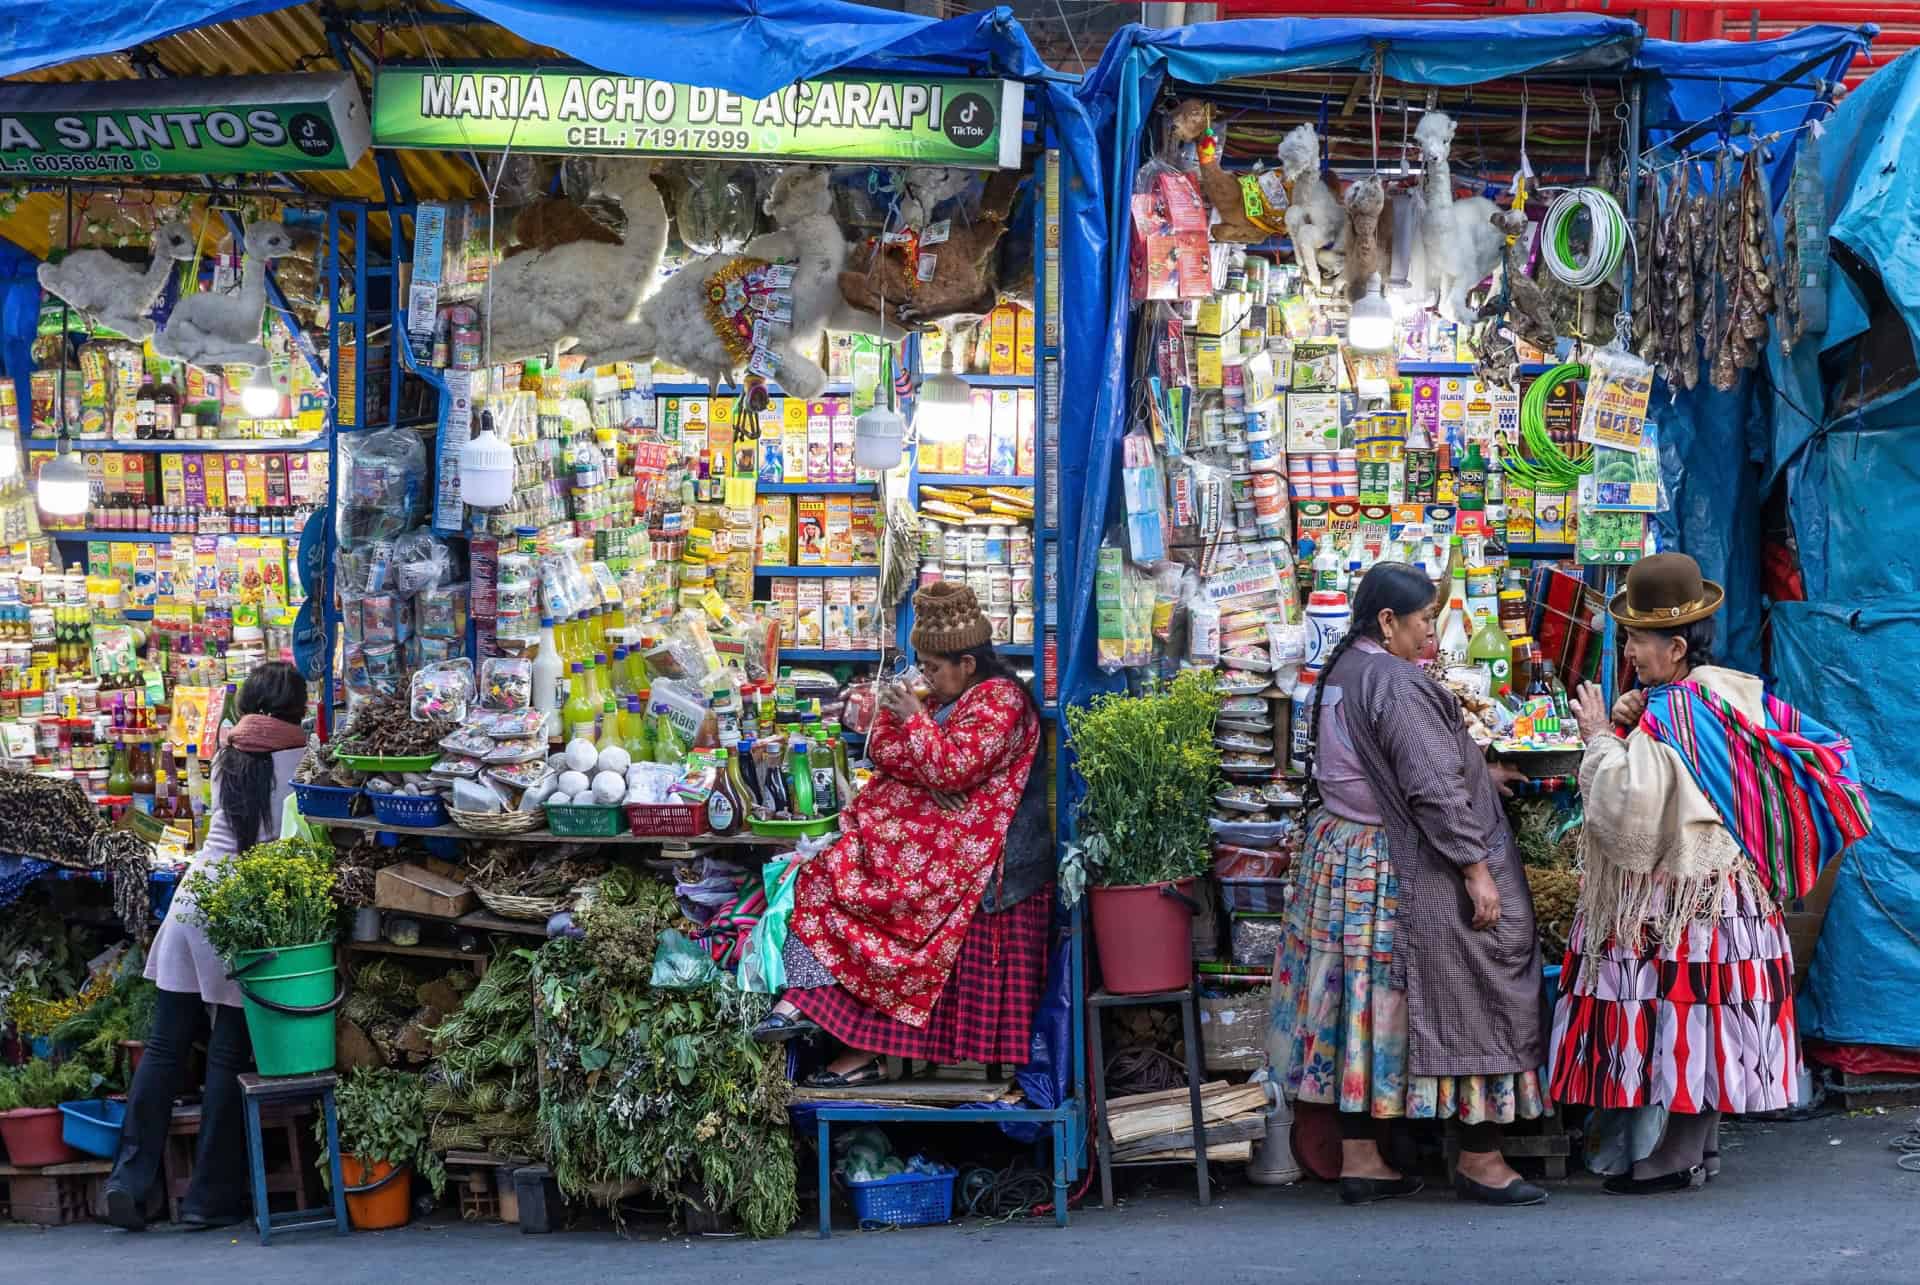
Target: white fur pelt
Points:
(1315, 221)
(1463, 246)
(208, 329)
(113, 292)
(674, 324)
(584, 296)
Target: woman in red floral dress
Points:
(921, 932)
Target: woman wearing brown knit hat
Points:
(922, 931)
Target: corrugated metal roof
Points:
(291, 40)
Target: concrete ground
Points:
(1819, 1201)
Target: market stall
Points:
(704, 529)
(1529, 242)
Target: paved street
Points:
(1820, 1201)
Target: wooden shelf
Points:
(547, 836)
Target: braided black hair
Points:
(1398, 587)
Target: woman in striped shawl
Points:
(1708, 805)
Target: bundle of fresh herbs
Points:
(272, 895)
(483, 1085)
(661, 1085)
(383, 1120)
(41, 1084)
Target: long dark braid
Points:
(1398, 587)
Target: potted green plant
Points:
(270, 913)
(383, 1142)
(1151, 771)
(30, 1120)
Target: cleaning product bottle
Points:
(800, 772)
(580, 712)
(1454, 640)
(609, 726)
(1492, 651)
(634, 732)
(547, 669)
(666, 742)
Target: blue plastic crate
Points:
(413, 811)
(904, 1200)
(328, 802)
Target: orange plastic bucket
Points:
(387, 1205)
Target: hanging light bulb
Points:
(486, 468)
(879, 436)
(260, 396)
(1370, 324)
(63, 489)
(945, 409)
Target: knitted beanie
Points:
(947, 619)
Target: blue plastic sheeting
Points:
(1119, 93)
(1846, 654)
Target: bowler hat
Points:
(1665, 591)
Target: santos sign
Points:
(231, 125)
(914, 121)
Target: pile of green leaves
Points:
(664, 1086)
(40, 954)
(42, 1084)
(1151, 769)
(383, 1119)
(483, 1085)
(1547, 834)
(272, 895)
(124, 1013)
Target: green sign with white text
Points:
(225, 125)
(896, 120)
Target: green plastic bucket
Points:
(289, 996)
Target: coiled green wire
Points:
(1550, 469)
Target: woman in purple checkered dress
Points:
(1407, 982)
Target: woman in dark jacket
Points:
(250, 782)
(1407, 983)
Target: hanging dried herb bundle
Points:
(483, 1066)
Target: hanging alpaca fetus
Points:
(1315, 220)
(1192, 122)
(1463, 246)
(1366, 256)
(1529, 312)
(112, 292)
(962, 284)
(580, 295)
(208, 329)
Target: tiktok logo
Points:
(968, 120)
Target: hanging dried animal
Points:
(1192, 122)
(1366, 257)
(1527, 311)
(113, 292)
(762, 310)
(1748, 278)
(1463, 246)
(960, 282)
(581, 294)
(1315, 219)
(1645, 223)
(208, 329)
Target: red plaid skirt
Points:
(985, 1011)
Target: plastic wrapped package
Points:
(383, 485)
(421, 560)
(441, 612)
(384, 620)
(428, 651)
(716, 207)
(442, 691)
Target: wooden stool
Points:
(1188, 1000)
(263, 1091)
(295, 1179)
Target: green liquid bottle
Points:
(580, 712)
(639, 744)
(800, 773)
(1492, 650)
(609, 726)
(666, 742)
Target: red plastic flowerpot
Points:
(1144, 933)
(32, 1135)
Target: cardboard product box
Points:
(866, 611)
(1023, 441)
(1023, 341)
(976, 452)
(173, 481)
(866, 531)
(839, 615)
(774, 530)
(1453, 412)
(841, 428)
(793, 440)
(194, 470)
(215, 466)
(1520, 528)
(276, 464)
(772, 463)
(1313, 423)
(810, 622)
(1003, 432)
(784, 605)
(1002, 341)
(236, 480)
(839, 530)
(810, 531)
(1423, 432)
(299, 479)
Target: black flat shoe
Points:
(778, 1028)
(872, 1071)
(1515, 1194)
(1627, 1185)
(1367, 1191)
(124, 1209)
(210, 1222)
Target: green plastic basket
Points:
(586, 820)
(389, 762)
(793, 829)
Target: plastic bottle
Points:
(1492, 650)
(618, 673)
(1470, 485)
(726, 806)
(140, 780)
(547, 668)
(609, 726)
(1326, 569)
(800, 773)
(666, 742)
(580, 711)
(119, 778)
(1454, 640)
(1300, 721)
